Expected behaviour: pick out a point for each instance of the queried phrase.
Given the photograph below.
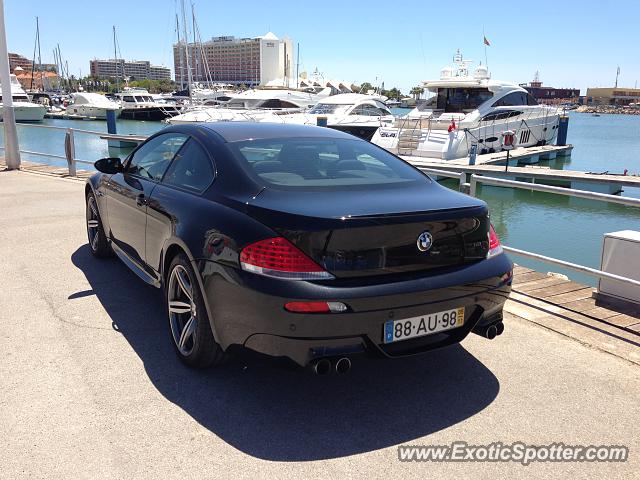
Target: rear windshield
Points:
(320, 162)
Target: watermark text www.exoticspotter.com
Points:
(514, 452)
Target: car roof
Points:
(237, 131)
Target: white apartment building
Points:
(135, 69)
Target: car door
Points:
(128, 193)
(176, 202)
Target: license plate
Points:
(397, 330)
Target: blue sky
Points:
(571, 43)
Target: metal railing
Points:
(628, 201)
(69, 145)
(460, 176)
(500, 182)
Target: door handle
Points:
(141, 200)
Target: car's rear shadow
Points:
(271, 410)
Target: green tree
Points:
(394, 94)
(154, 86)
(365, 87)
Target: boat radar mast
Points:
(460, 69)
(462, 66)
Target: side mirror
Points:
(109, 165)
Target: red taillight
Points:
(494, 243)
(315, 307)
(277, 257)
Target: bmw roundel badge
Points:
(425, 240)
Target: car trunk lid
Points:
(363, 233)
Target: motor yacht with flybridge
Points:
(469, 109)
(138, 104)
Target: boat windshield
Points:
(457, 100)
(244, 103)
(325, 108)
(143, 98)
(277, 104)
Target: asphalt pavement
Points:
(91, 388)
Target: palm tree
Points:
(416, 92)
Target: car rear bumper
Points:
(248, 310)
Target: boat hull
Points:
(148, 113)
(438, 143)
(26, 112)
(99, 113)
(365, 132)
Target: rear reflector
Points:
(494, 243)
(315, 307)
(279, 258)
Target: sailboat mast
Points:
(59, 68)
(195, 56)
(33, 62)
(298, 65)
(186, 47)
(39, 55)
(115, 55)
(65, 74)
(202, 57)
(181, 53)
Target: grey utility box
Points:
(620, 256)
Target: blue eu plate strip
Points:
(388, 331)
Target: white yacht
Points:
(354, 113)
(218, 94)
(139, 104)
(253, 105)
(92, 105)
(469, 109)
(23, 108)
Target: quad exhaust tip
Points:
(324, 366)
(343, 365)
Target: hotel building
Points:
(249, 61)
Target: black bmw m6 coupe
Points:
(297, 241)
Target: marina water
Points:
(554, 225)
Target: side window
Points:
(370, 110)
(512, 99)
(152, 159)
(500, 115)
(191, 169)
(285, 104)
(531, 100)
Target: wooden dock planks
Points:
(569, 308)
(44, 169)
(532, 172)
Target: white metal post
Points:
(70, 151)
(472, 185)
(11, 148)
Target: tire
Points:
(98, 243)
(189, 325)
